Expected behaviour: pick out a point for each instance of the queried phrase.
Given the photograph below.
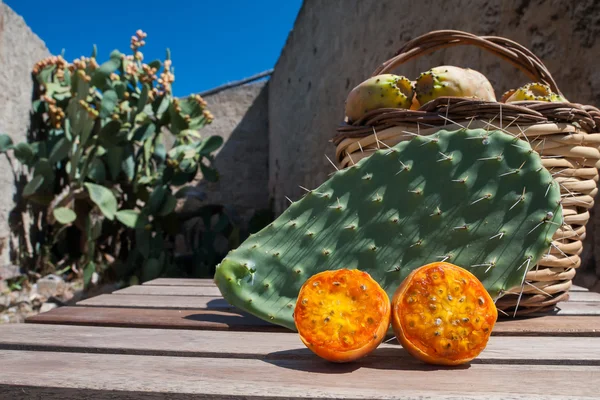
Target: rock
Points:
(50, 285)
(47, 307)
(36, 300)
(3, 287)
(24, 308)
(9, 271)
(5, 302)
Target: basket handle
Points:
(504, 48)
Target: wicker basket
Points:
(564, 134)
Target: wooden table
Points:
(177, 339)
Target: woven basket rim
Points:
(439, 112)
(444, 110)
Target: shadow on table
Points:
(234, 320)
(220, 304)
(389, 358)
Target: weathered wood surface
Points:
(368, 378)
(154, 318)
(171, 290)
(211, 290)
(271, 345)
(584, 296)
(574, 288)
(179, 339)
(230, 320)
(147, 301)
(200, 302)
(179, 282)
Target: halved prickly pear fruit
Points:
(381, 91)
(342, 315)
(448, 80)
(532, 92)
(442, 314)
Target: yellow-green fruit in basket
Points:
(532, 92)
(448, 80)
(380, 91)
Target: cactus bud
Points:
(208, 115)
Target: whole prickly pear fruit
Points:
(342, 315)
(532, 92)
(448, 80)
(381, 91)
(442, 314)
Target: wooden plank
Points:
(584, 296)
(248, 378)
(210, 282)
(165, 302)
(231, 320)
(155, 318)
(179, 282)
(200, 302)
(212, 291)
(260, 345)
(576, 288)
(576, 308)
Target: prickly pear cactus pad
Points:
(475, 198)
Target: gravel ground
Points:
(47, 293)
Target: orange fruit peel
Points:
(442, 314)
(342, 315)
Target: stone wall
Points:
(241, 119)
(20, 49)
(336, 45)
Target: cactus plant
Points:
(534, 91)
(448, 80)
(381, 91)
(103, 182)
(479, 199)
(442, 314)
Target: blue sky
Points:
(212, 42)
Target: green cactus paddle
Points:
(478, 199)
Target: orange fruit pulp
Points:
(342, 315)
(442, 314)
